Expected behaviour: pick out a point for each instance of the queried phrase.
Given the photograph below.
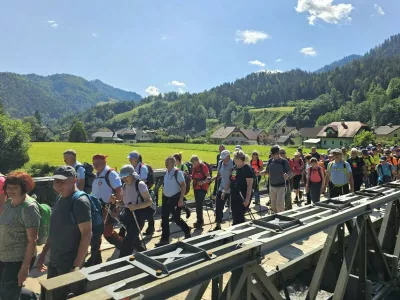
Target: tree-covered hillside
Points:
(54, 96)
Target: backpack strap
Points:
(176, 176)
(107, 178)
(202, 171)
(25, 204)
(139, 195)
(75, 197)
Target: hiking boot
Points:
(161, 243)
(198, 225)
(217, 227)
(188, 212)
(149, 231)
(188, 235)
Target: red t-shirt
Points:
(298, 166)
(256, 166)
(199, 175)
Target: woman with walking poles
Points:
(135, 207)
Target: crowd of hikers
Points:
(96, 201)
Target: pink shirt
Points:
(298, 165)
(2, 181)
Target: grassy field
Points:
(153, 154)
(283, 109)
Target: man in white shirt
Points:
(106, 183)
(70, 160)
(172, 200)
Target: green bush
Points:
(41, 170)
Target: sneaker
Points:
(149, 231)
(217, 227)
(161, 243)
(188, 212)
(198, 225)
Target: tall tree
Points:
(38, 117)
(78, 133)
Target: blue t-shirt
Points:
(142, 170)
(338, 175)
(384, 170)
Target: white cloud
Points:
(324, 10)
(308, 51)
(279, 60)
(164, 38)
(379, 10)
(152, 91)
(53, 24)
(269, 71)
(257, 63)
(250, 36)
(177, 83)
(94, 34)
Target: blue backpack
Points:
(96, 211)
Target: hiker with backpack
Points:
(370, 167)
(224, 169)
(19, 227)
(241, 185)
(391, 160)
(186, 168)
(279, 172)
(216, 185)
(385, 171)
(289, 185)
(172, 200)
(70, 228)
(298, 169)
(358, 168)
(136, 206)
(339, 176)
(147, 175)
(258, 166)
(315, 181)
(84, 172)
(106, 184)
(201, 178)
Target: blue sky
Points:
(186, 45)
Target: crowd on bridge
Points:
(96, 201)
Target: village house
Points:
(106, 137)
(390, 132)
(237, 136)
(308, 137)
(340, 134)
(126, 135)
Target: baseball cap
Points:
(364, 151)
(133, 155)
(128, 170)
(337, 150)
(238, 147)
(225, 154)
(64, 172)
(374, 149)
(299, 149)
(383, 158)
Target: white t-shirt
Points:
(142, 170)
(80, 173)
(101, 189)
(171, 185)
(129, 192)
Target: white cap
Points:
(225, 154)
(238, 147)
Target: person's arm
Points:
(350, 177)
(86, 236)
(327, 179)
(144, 192)
(323, 182)
(40, 263)
(32, 235)
(249, 182)
(80, 184)
(261, 167)
(206, 173)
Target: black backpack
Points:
(150, 175)
(189, 165)
(187, 179)
(89, 176)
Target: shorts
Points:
(296, 182)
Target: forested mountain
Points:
(54, 96)
(338, 63)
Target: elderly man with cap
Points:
(358, 168)
(224, 168)
(106, 184)
(172, 200)
(217, 183)
(69, 238)
(339, 175)
(135, 205)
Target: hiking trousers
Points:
(336, 191)
(199, 196)
(238, 209)
(358, 181)
(131, 240)
(219, 206)
(315, 191)
(288, 196)
(277, 196)
(170, 206)
(9, 288)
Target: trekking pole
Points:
(139, 230)
(208, 203)
(248, 207)
(229, 210)
(109, 213)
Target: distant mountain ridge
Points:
(338, 63)
(54, 95)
